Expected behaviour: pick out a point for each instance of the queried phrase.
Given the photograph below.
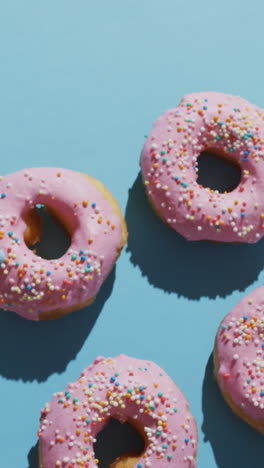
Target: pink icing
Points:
(240, 350)
(122, 388)
(29, 284)
(205, 121)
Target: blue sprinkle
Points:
(81, 252)
(2, 255)
(117, 384)
(112, 379)
(205, 108)
(3, 195)
(142, 397)
(10, 233)
(28, 287)
(93, 205)
(246, 153)
(187, 440)
(83, 258)
(243, 214)
(245, 317)
(48, 273)
(90, 385)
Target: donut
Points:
(239, 359)
(37, 288)
(228, 126)
(129, 390)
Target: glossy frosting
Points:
(229, 125)
(240, 354)
(30, 285)
(122, 388)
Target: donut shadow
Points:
(35, 350)
(188, 268)
(233, 442)
(33, 459)
(114, 440)
(55, 240)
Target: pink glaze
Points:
(240, 350)
(122, 388)
(205, 121)
(29, 284)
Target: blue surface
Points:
(80, 84)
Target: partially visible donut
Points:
(224, 124)
(127, 389)
(37, 288)
(239, 359)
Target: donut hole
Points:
(119, 445)
(45, 234)
(217, 171)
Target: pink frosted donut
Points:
(126, 389)
(232, 128)
(239, 358)
(37, 288)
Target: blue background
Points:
(80, 84)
